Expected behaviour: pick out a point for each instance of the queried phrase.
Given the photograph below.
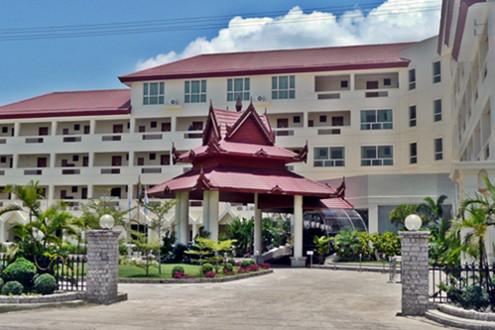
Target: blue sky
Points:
(29, 68)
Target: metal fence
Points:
(69, 271)
(443, 277)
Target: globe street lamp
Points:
(413, 222)
(107, 221)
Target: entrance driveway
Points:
(286, 299)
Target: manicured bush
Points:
(45, 284)
(205, 268)
(178, 272)
(211, 274)
(265, 265)
(474, 297)
(247, 263)
(12, 288)
(228, 268)
(21, 270)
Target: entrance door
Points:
(117, 129)
(115, 192)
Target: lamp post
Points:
(107, 221)
(413, 222)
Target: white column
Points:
(17, 129)
(195, 230)
(90, 191)
(51, 193)
(257, 247)
(373, 218)
(206, 210)
(298, 260)
(182, 216)
(92, 127)
(213, 214)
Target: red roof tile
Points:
(277, 61)
(336, 203)
(73, 103)
(267, 181)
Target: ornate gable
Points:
(249, 128)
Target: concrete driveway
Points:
(286, 299)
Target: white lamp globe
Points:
(107, 221)
(413, 222)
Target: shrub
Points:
(206, 268)
(252, 268)
(265, 265)
(247, 263)
(228, 268)
(178, 272)
(475, 297)
(21, 270)
(210, 274)
(12, 288)
(231, 261)
(1, 283)
(45, 284)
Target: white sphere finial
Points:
(413, 222)
(107, 221)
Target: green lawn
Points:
(135, 271)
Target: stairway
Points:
(456, 317)
(277, 253)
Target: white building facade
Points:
(392, 119)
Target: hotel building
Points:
(398, 121)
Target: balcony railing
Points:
(33, 171)
(114, 137)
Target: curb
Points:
(5, 308)
(373, 269)
(193, 280)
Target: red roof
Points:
(265, 181)
(73, 103)
(241, 149)
(277, 61)
(336, 203)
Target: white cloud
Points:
(392, 21)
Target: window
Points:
(376, 119)
(141, 129)
(437, 110)
(338, 121)
(195, 91)
(329, 157)
(152, 156)
(413, 153)
(238, 87)
(282, 123)
(153, 124)
(296, 119)
(154, 93)
(412, 116)
(344, 84)
(323, 119)
(387, 82)
(372, 84)
(377, 156)
(3, 159)
(77, 127)
(86, 129)
(75, 158)
(283, 87)
(412, 79)
(166, 127)
(5, 129)
(438, 149)
(74, 189)
(437, 72)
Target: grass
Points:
(131, 271)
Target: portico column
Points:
(182, 216)
(206, 210)
(214, 200)
(257, 247)
(298, 260)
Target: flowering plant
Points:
(210, 274)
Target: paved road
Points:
(286, 299)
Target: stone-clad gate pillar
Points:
(414, 272)
(102, 266)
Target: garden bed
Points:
(170, 280)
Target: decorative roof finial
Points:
(238, 103)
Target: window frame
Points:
(438, 154)
(413, 156)
(159, 96)
(190, 95)
(290, 90)
(232, 93)
(329, 161)
(437, 115)
(413, 121)
(437, 76)
(377, 160)
(376, 125)
(411, 79)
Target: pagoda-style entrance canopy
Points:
(239, 162)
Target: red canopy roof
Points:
(277, 61)
(264, 181)
(73, 103)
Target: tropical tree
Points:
(156, 218)
(431, 211)
(30, 196)
(399, 214)
(241, 230)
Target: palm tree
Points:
(432, 210)
(30, 196)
